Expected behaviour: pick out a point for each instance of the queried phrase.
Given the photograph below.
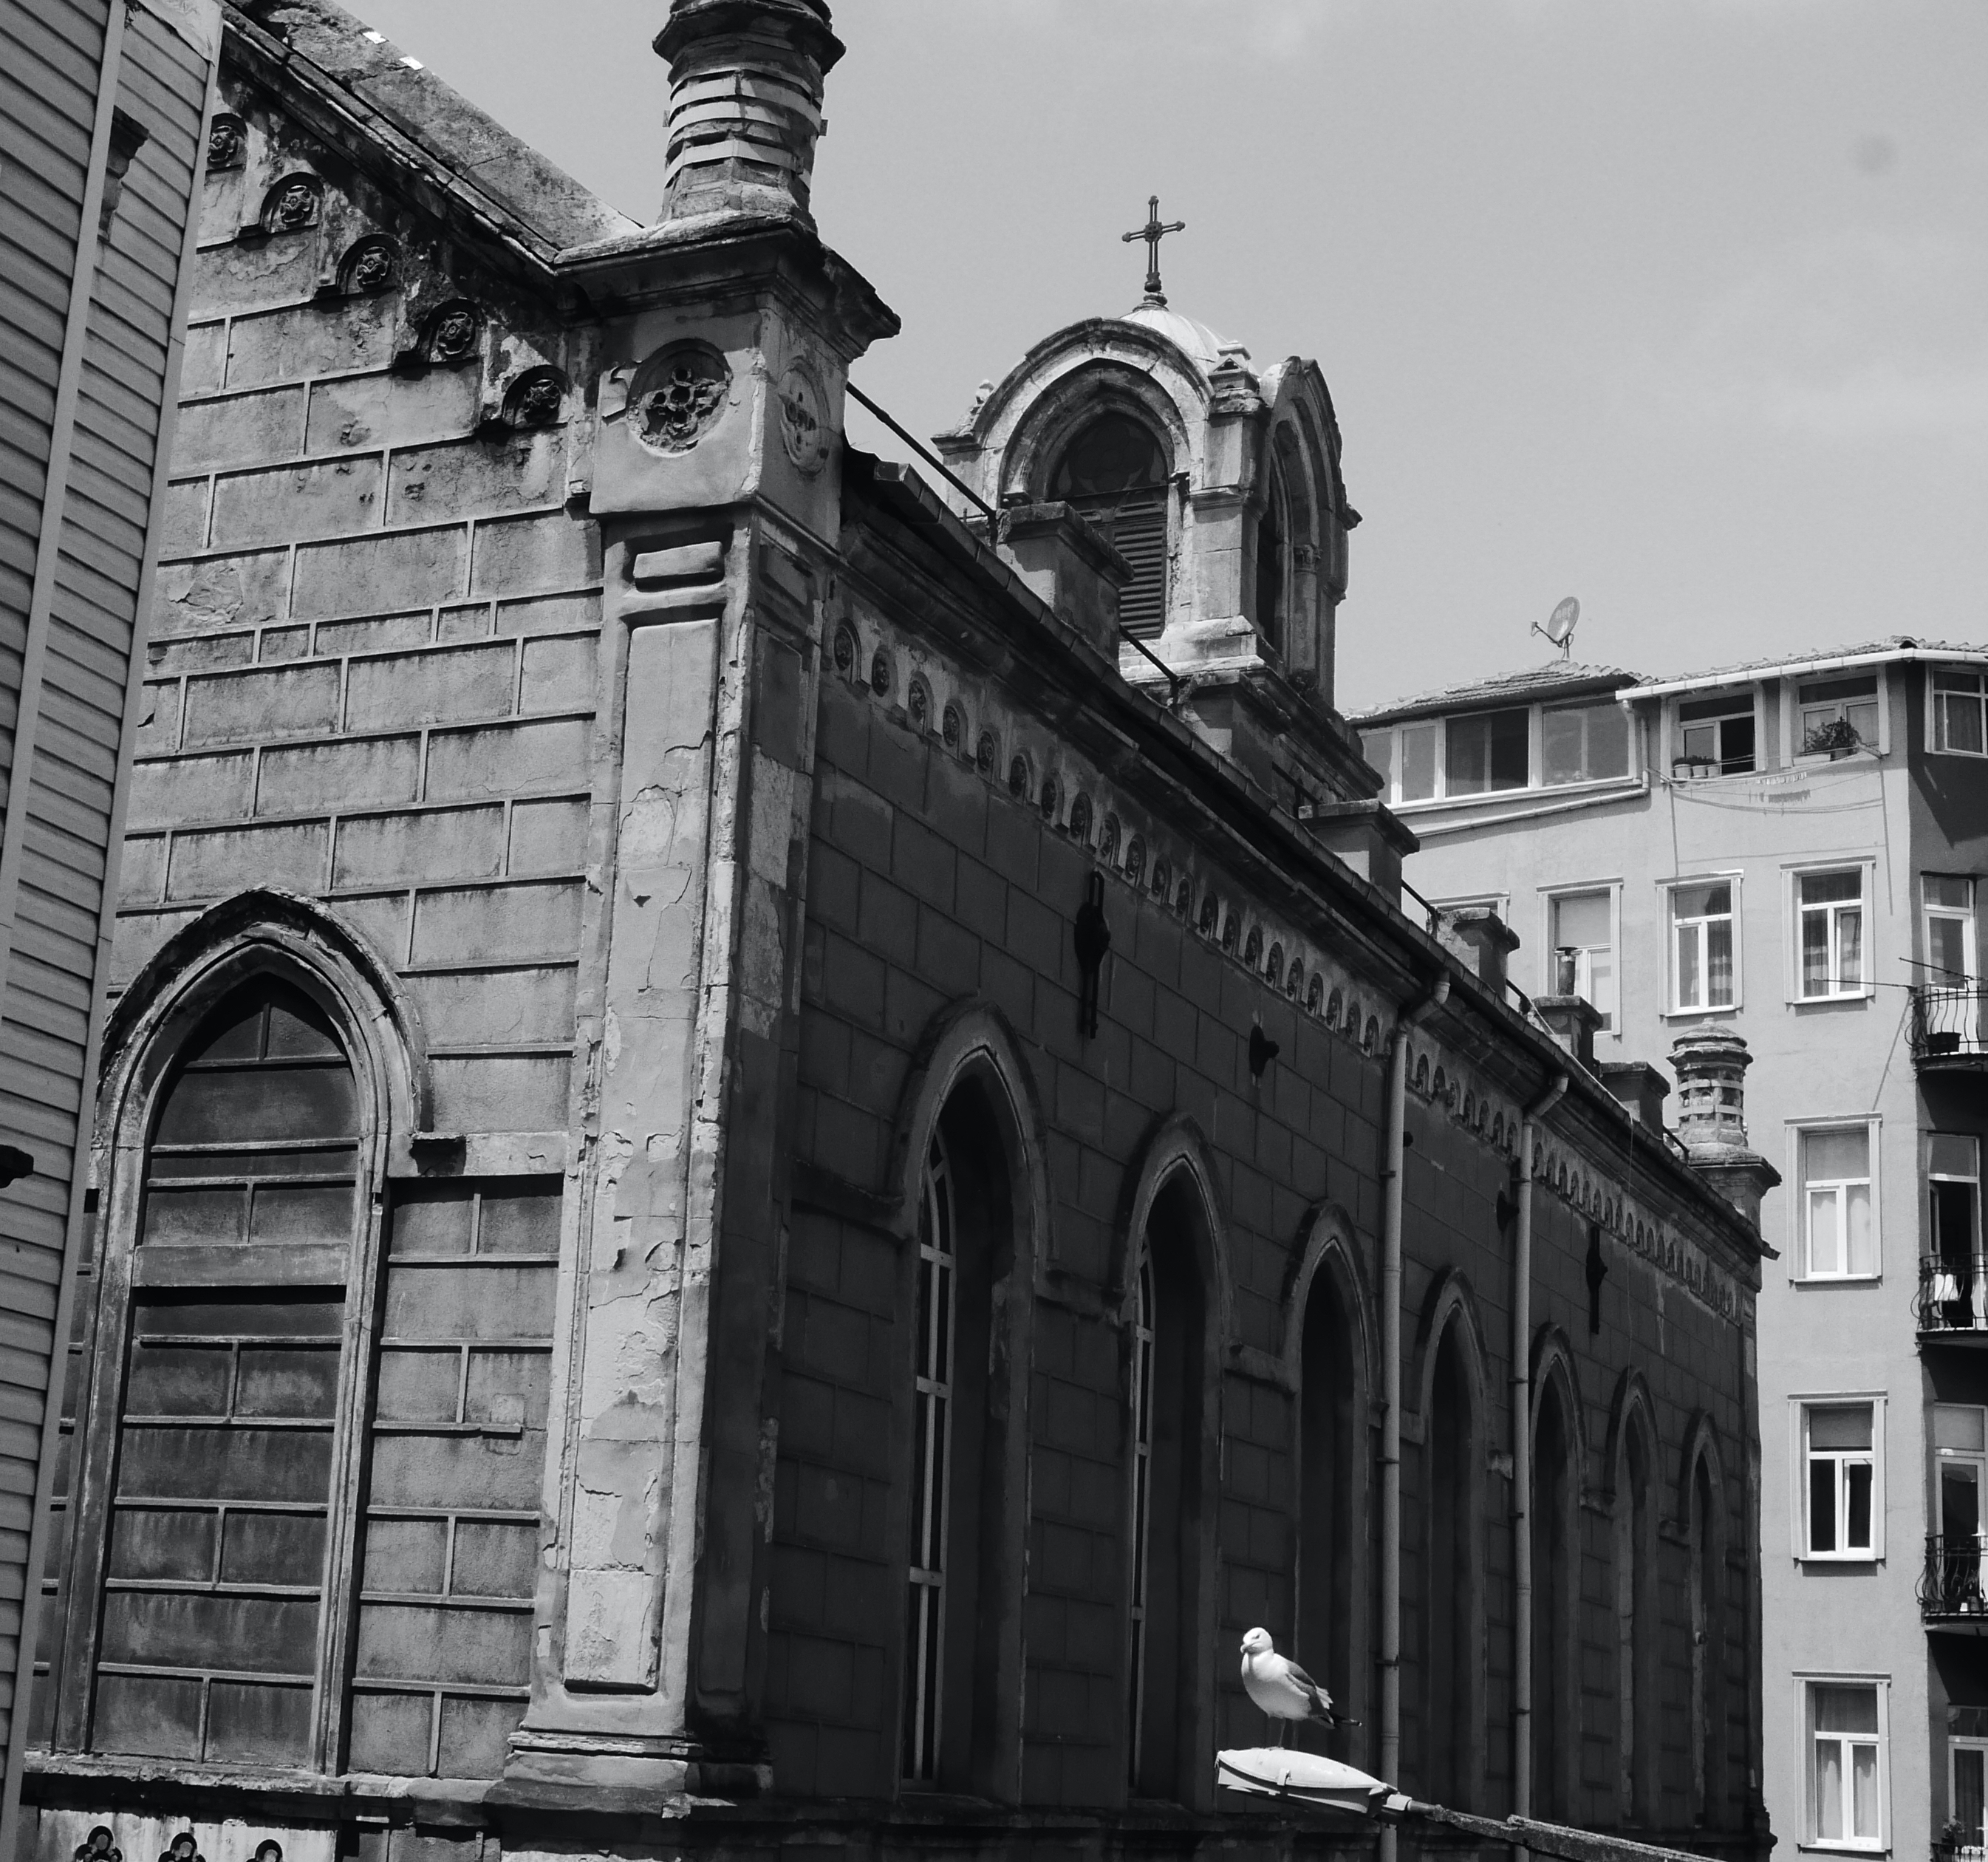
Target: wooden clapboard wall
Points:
(102, 109)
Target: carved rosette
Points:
(677, 396)
(803, 421)
(227, 143)
(292, 205)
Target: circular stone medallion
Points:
(677, 396)
(803, 431)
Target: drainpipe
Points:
(1522, 1454)
(1391, 1389)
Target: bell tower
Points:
(726, 330)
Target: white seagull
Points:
(1281, 1687)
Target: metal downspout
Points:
(1391, 1389)
(1522, 1455)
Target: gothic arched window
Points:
(960, 1570)
(1115, 472)
(1636, 1623)
(1555, 1525)
(1708, 1651)
(1331, 1591)
(1452, 1574)
(1273, 546)
(1168, 1502)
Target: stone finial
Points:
(746, 91)
(1711, 1067)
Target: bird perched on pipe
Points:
(1282, 1689)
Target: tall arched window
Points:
(1166, 1671)
(1708, 1652)
(1114, 471)
(306, 1525)
(1556, 1588)
(222, 1507)
(1330, 1605)
(1635, 1625)
(1451, 1575)
(958, 1572)
(1273, 544)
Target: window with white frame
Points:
(1485, 751)
(1586, 742)
(1715, 736)
(1837, 1210)
(1967, 1774)
(1960, 711)
(1840, 1501)
(1838, 714)
(1846, 1767)
(1948, 902)
(1704, 945)
(1829, 935)
(1581, 948)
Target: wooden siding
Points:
(66, 654)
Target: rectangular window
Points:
(1487, 750)
(1948, 905)
(1953, 1584)
(1845, 1781)
(1581, 936)
(1703, 969)
(1716, 736)
(1839, 1239)
(1584, 743)
(1377, 746)
(1837, 714)
(1418, 748)
(1960, 712)
(1830, 914)
(1967, 1770)
(1840, 1477)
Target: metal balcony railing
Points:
(1950, 1586)
(1950, 1021)
(1953, 1295)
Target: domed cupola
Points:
(1217, 482)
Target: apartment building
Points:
(1792, 850)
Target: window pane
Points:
(1839, 1425)
(1815, 979)
(1968, 1779)
(1823, 691)
(1581, 918)
(1959, 1425)
(1863, 720)
(1959, 1498)
(1819, 889)
(1845, 1708)
(1849, 949)
(1950, 1156)
(1728, 705)
(1835, 1156)
(1955, 678)
(1864, 1760)
(1822, 1504)
(1825, 1232)
(1829, 1790)
(1691, 980)
(1377, 746)
(1857, 1506)
(1486, 751)
(1718, 961)
(1710, 901)
(1584, 743)
(1957, 723)
(1113, 454)
(1417, 762)
(1863, 1233)
(1944, 890)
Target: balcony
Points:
(1953, 1301)
(1949, 1025)
(1950, 1586)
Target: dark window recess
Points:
(1115, 472)
(216, 1568)
(1270, 573)
(1487, 750)
(1716, 735)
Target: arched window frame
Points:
(1554, 1381)
(1451, 1318)
(1702, 1514)
(1176, 1162)
(1634, 1507)
(970, 1048)
(254, 935)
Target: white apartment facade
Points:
(1795, 851)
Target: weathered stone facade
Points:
(655, 1288)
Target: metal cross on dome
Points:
(1152, 232)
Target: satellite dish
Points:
(1559, 625)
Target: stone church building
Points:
(773, 1146)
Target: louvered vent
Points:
(1137, 528)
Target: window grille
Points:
(1142, 1464)
(924, 1653)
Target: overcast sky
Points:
(1677, 306)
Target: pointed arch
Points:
(1633, 1494)
(1559, 1463)
(971, 1209)
(1174, 1299)
(1328, 1335)
(1702, 1515)
(1456, 1420)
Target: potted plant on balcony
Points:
(1950, 1841)
(1838, 737)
